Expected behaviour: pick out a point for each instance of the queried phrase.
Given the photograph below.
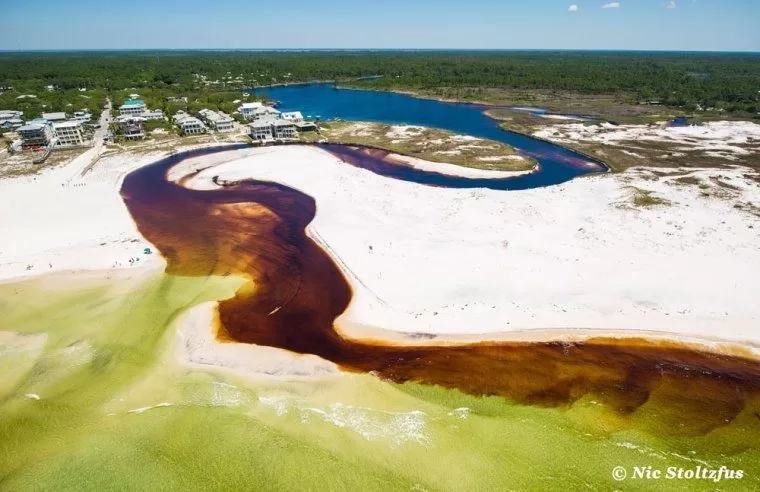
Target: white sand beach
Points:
(566, 262)
(578, 256)
(61, 220)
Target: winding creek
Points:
(256, 229)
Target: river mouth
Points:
(257, 230)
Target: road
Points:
(89, 158)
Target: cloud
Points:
(573, 8)
(613, 5)
(671, 4)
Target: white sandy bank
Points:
(722, 139)
(578, 255)
(60, 220)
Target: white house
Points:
(36, 135)
(270, 127)
(132, 107)
(219, 121)
(68, 133)
(264, 112)
(294, 116)
(247, 109)
(189, 125)
(8, 114)
(261, 130)
(11, 119)
(152, 114)
(83, 116)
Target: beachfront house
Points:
(132, 107)
(272, 128)
(35, 135)
(132, 127)
(188, 125)
(54, 117)
(68, 133)
(219, 121)
(260, 130)
(246, 109)
(294, 116)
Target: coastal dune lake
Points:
(98, 401)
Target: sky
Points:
(691, 25)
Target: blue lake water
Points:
(556, 164)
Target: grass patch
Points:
(426, 143)
(645, 198)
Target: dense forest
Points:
(725, 81)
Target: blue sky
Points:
(715, 25)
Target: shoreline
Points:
(364, 322)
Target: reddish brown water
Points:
(257, 229)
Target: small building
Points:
(152, 114)
(54, 117)
(219, 121)
(68, 133)
(83, 116)
(294, 116)
(306, 126)
(132, 107)
(35, 135)
(189, 125)
(246, 109)
(132, 127)
(177, 99)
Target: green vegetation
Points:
(686, 81)
(429, 144)
(171, 100)
(68, 101)
(646, 198)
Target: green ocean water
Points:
(92, 399)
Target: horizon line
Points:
(594, 50)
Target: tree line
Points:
(685, 80)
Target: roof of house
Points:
(216, 117)
(31, 127)
(292, 114)
(54, 116)
(134, 102)
(251, 105)
(67, 124)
